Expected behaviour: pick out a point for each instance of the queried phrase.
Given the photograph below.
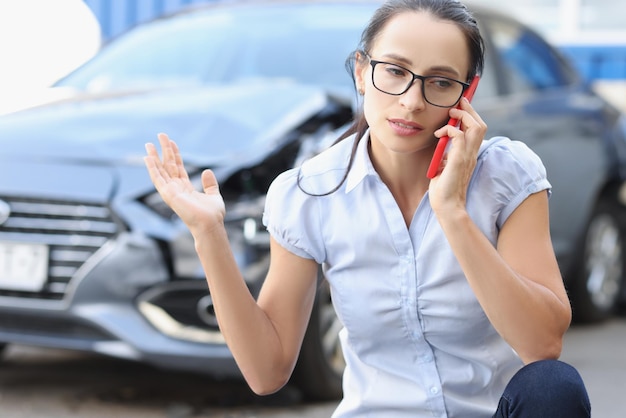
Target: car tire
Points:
(318, 373)
(598, 273)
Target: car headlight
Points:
(245, 217)
(156, 203)
(248, 238)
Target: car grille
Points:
(51, 326)
(73, 231)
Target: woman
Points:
(449, 290)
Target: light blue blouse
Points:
(415, 339)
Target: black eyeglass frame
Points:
(422, 78)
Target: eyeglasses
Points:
(396, 80)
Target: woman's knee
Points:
(549, 385)
(550, 378)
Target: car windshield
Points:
(304, 44)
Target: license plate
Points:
(23, 266)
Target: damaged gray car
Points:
(91, 258)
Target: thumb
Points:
(209, 182)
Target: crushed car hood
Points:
(212, 125)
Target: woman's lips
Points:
(404, 128)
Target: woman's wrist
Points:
(452, 217)
(209, 234)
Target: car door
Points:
(530, 94)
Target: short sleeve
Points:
(292, 217)
(512, 172)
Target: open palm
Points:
(199, 210)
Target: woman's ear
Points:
(360, 70)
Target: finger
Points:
(473, 118)
(448, 130)
(468, 135)
(164, 141)
(152, 158)
(465, 113)
(209, 182)
(466, 106)
(166, 148)
(151, 150)
(152, 164)
(169, 155)
(178, 159)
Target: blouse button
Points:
(434, 390)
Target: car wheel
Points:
(319, 370)
(598, 275)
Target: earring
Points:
(361, 92)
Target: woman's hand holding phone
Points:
(435, 163)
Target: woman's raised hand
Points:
(449, 188)
(201, 211)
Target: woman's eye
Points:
(440, 83)
(396, 71)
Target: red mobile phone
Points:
(443, 141)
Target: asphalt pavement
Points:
(599, 354)
(36, 383)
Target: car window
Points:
(224, 46)
(528, 63)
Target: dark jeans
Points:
(545, 389)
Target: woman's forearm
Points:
(528, 315)
(249, 333)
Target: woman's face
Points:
(428, 47)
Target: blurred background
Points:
(59, 35)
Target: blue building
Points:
(116, 16)
(591, 32)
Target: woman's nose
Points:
(413, 98)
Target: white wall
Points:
(41, 41)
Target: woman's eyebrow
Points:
(445, 69)
(398, 58)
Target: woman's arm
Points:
(264, 337)
(518, 283)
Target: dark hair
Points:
(448, 10)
